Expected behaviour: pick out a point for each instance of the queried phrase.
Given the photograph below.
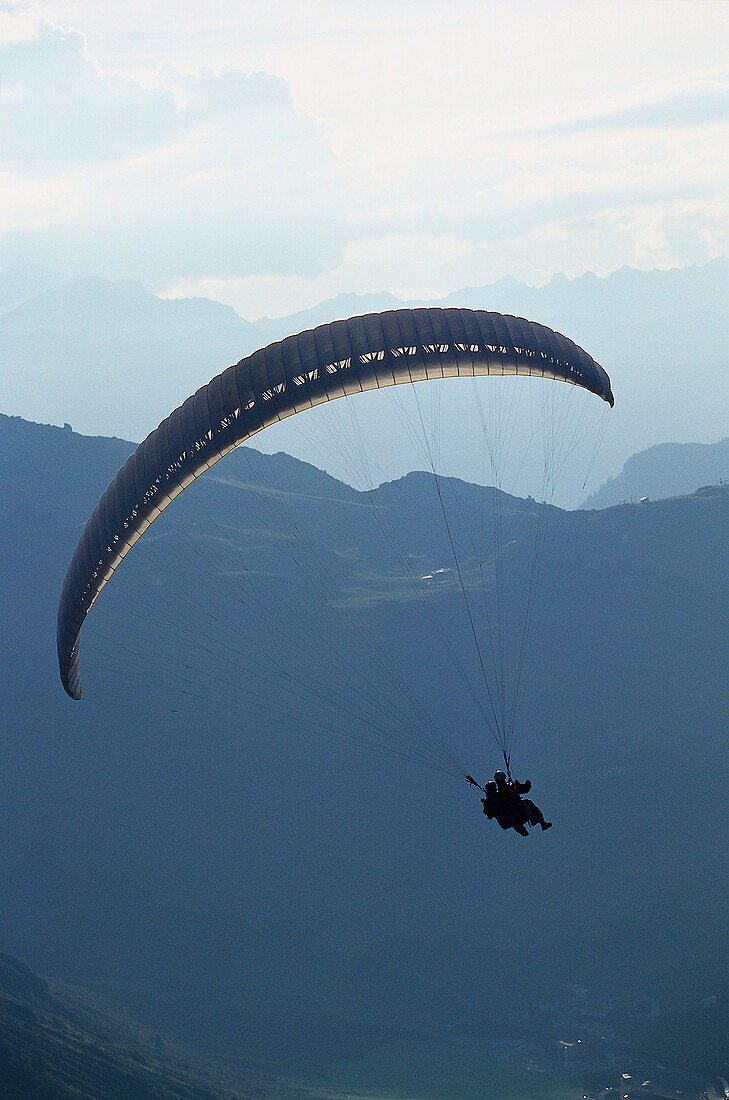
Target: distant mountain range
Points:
(110, 358)
(211, 837)
(666, 470)
(628, 296)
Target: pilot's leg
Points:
(535, 815)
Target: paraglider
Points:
(375, 351)
(504, 804)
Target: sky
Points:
(273, 154)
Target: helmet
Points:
(490, 787)
(500, 778)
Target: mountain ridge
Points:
(711, 279)
(118, 360)
(560, 294)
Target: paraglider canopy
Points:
(333, 360)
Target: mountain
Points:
(108, 357)
(248, 830)
(666, 470)
(332, 309)
(628, 295)
(57, 1044)
(100, 310)
(638, 297)
(81, 352)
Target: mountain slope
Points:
(206, 837)
(56, 1045)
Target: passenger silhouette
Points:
(504, 803)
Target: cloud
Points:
(210, 174)
(511, 185)
(61, 111)
(704, 102)
(215, 178)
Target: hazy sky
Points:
(275, 153)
